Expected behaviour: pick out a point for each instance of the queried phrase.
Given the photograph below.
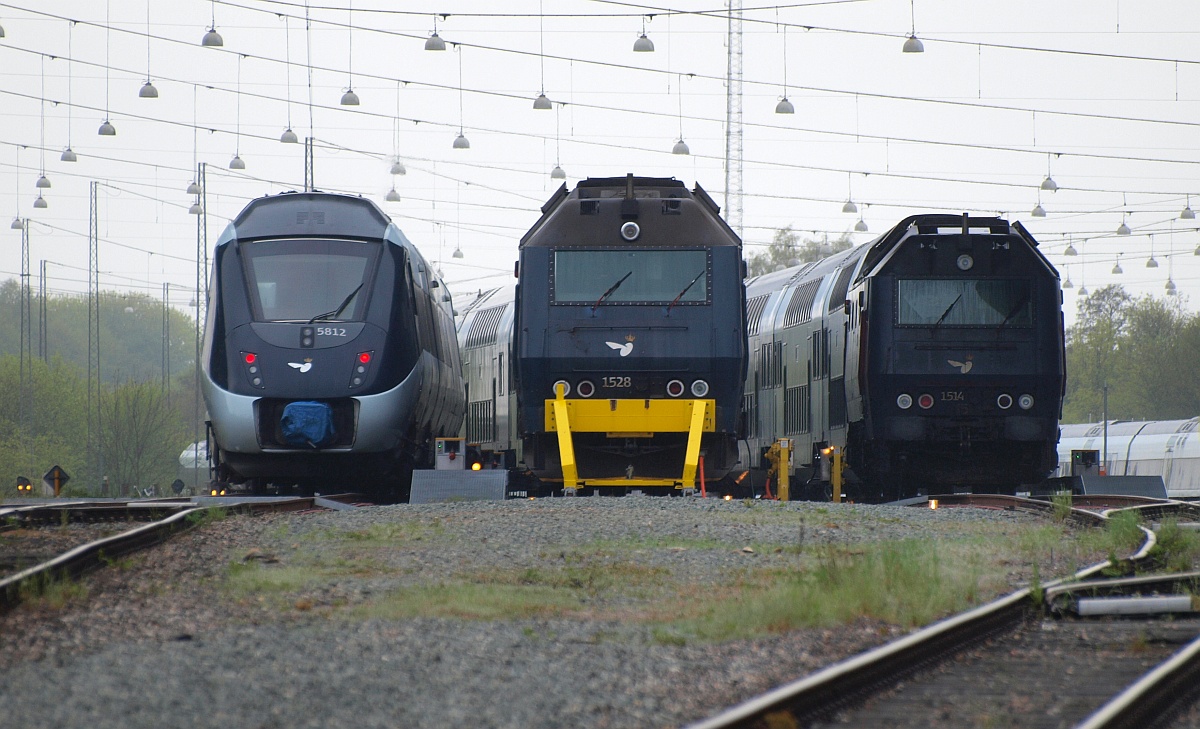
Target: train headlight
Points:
(699, 388)
(1025, 401)
(904, 401)
(566, 388)
(675, 388)
(630, 231)
(965, 262)
(586, 388)
(1004, 401)
(925, 401)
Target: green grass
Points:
(1061, 503)
(210, 515)
(473, 602)
(52, 591)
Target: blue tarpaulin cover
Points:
(307, 423)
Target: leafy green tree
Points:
(786, 249)
(142, 436)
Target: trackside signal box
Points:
(450, 454)
(1085, 463)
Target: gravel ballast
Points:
(164, 640)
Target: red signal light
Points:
(364, 357)
(251, 357)
(925, 401)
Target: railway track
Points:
(56, 541)
(1008, 660)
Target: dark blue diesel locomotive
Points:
(329, 359)
(933, 357)
(617, 361)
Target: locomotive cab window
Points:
(676, 276)
(309, 280)
(964, 302)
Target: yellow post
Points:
(836, 474)
(566, 449)
(691, 456)
(785, 467)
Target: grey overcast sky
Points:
(1102, 96)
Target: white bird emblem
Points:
(624, 349)
(302, 366)
(963, 367)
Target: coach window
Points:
(309, 280)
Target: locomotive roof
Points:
(310, 214)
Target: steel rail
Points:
(1154, 698)
(843, 683)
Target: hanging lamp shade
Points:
(643, 44)
(236, 163)
(1067, 284)
(541, 102)
(1188, 213)
(1170, 287)
(288, 136)
(785, 107)
(1070, 250)
(193, 188)
(349, 98)
(1123, 229)
(914, 45)
(68, 155)
(1116, 269)
(107, 129)
(398, 168)
(558, 173)
(457, 252)
(1083, 290)
(392, 195)
(17, 225)
(1, 31)
(680, 147)
(212, 39)
(861, 226)
(461, 142)
(43, 182)
(1038, 211)
(849, 207)
(194, 209)
(148, 91)
(1049, 184)
(435, 43)
(40, 202)
(1152, 262)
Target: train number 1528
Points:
(615, 382)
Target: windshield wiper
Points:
(946, 313)
(610, 291)
(334, 314)
(1015, 310)
(685, 290)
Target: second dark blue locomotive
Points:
(932, 358)
(625, 342)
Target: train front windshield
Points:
(964, 303)
(641, 276)
(309, 280)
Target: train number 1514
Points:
(953, 395)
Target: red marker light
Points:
(925, 401)
(364, 357)
(251, 357)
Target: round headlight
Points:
(925, 401)
(1004, 402)
(699, 388)
(904, 402)
(965, 262)
(566, 388)
(675, 388)
(1025, 401)
(630, 231)
(586, 388)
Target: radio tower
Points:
(733, 120)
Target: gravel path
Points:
(274, 621)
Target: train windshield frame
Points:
(631, 276)
(964, 302)
(309, 279)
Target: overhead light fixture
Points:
(68, 155)
(785, 107)
(392, 195)
(558, 173)
(680, 148)
(1049, 184)
(1070, 250)
(43, 182)
(461, 142)
(107, 129)
(914, 45)
(288, 136)
(1, 31)
(40, 202)
(541, 102)
(643, 44)
(236, 163)
(1188, 213)
(148, 91)
(1083, 290)
(861, 226)
(1170, 287)
(17, 225)
(1116, 269)
(195, 208)
(349, 98)
(849, 207)
(435, 43)
(212, 39)
(1038, 211)
(1067, 284)
(193, 188)
(457, 252)
(1152, 262)
(1123, 229)
(398, 168)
